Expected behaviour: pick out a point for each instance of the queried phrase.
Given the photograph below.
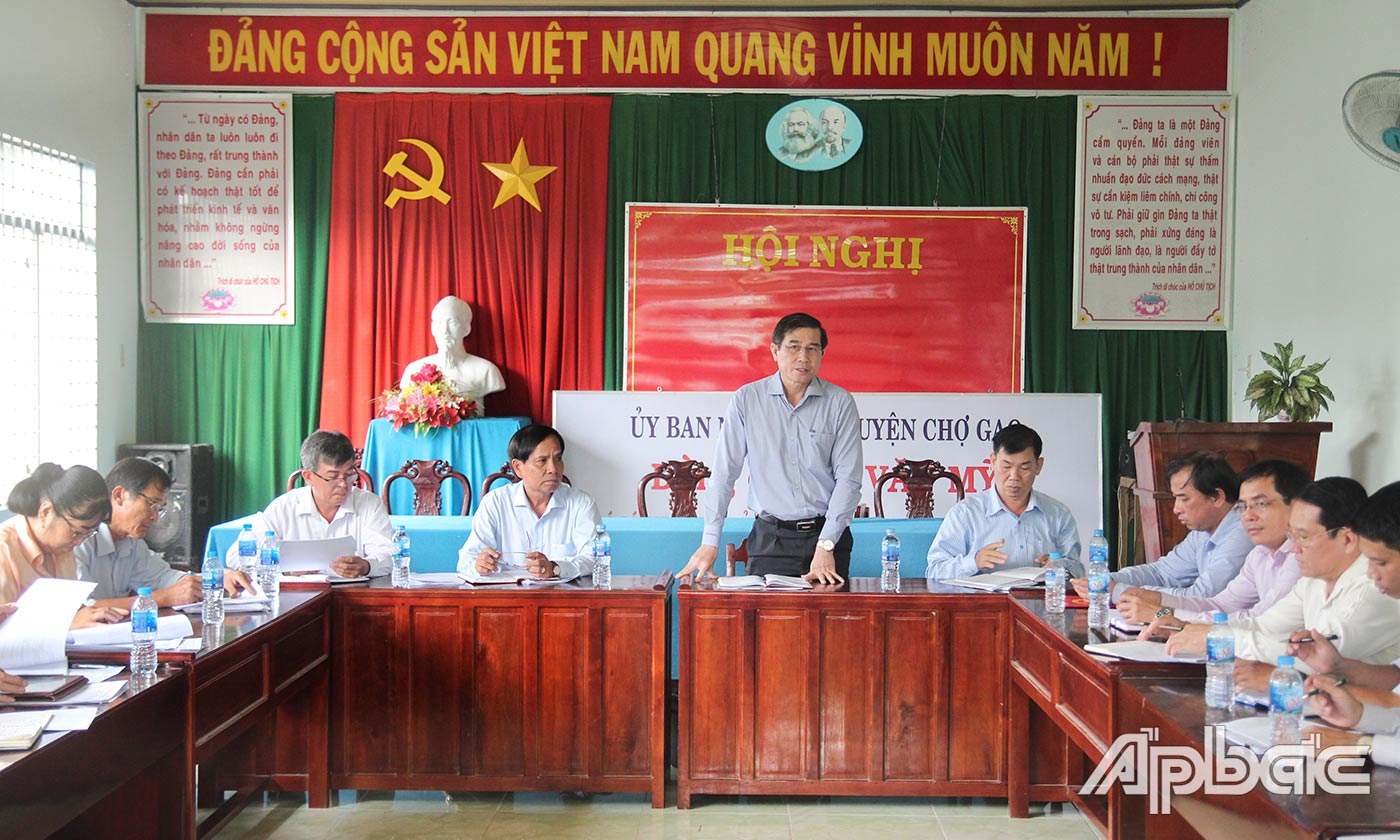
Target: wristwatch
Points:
(1164, 612)
(826, 545)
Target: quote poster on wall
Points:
(216, 208)
(1153, 191)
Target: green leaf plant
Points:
(1290, 387)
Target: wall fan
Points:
(1371, 111)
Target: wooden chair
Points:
(734, 556)
(427, 478)
(918, 478)
(505, 472)
(363, 479)
(683, 477)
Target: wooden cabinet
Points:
(851, 693)
(500, 688)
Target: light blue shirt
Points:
(804, 460)
(506, 522)
(1046, 525)
(120, 567)
(1201, 565)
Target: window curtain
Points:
(970, 151)
(251, 391)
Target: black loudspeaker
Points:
(180, 534)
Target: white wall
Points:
(1317, 221)
(69, 82)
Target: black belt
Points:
(802, 525)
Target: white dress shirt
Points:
(506, 522)
(1384, 723)
(293, 516)
(1366, 622)
(120, 567)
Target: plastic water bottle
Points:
(402, 559)
(602, 557)
(1285, 702)
(212, 575)
(248, 551)
(269, 562)
(143, 633)
(1220, 663)
(889, 562)
(1098, 580)
(1055, 579)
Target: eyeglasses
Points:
(1303, 541)
(346, 479)
(79, 534)
(800, 349)
(1242, 507)
(154, 504)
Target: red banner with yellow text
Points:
(913, 299)
(852, 52)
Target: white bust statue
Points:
(470, 376)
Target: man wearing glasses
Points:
(118, 560)
(330, 506)
(1267, 489)
(1334, 598)
(801, 438)
(1206, 489)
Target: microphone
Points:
(1181, 397)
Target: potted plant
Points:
(1289, 390)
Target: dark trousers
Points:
(776, 550)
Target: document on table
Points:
(252, 601)
(97, 673)
(314, 555)
(1003, 581)
(1140, 651)
(1123, 625)
(32, 638)
(71, 720)
(19, 730)
(425, 579)
(167, 627)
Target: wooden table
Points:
(501, 687)
(1063, 717)
(842, 693)
(256, 708)
(1176, 709)
(122, 778)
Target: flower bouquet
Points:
(428, 402)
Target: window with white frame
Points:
(48, 309)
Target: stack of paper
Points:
(776, 582)
(1139, 651)
(31, 639)
(1003, 581)
(19, 730)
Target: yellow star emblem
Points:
(518, 177)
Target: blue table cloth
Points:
(475, 448)
(647, 546)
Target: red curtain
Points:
(534, 278)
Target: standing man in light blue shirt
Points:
(1010, 527)
(1206, 489)
(801, 438)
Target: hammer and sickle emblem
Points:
(427, 187)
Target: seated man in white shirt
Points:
(1369, 702)
(330, 506)
(539, 525)
(1333, 597)
(1267, 489)
(117, 558)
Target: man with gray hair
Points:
(800, 135)
(331, 506)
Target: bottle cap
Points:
(1055, 555)
(1220, 618)
(1285, 660)
(247, 526)
(145, 590)
(269, 533)
(889, 532)
(1098, 532)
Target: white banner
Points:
(614, 438)
(216, 208)
(1151, 228)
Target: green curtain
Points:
(969, 151)
(252, 391)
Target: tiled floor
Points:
(526, 816)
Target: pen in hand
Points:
(1341, 681)
(1331, 637)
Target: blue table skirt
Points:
(643, 546)
(476, 448)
